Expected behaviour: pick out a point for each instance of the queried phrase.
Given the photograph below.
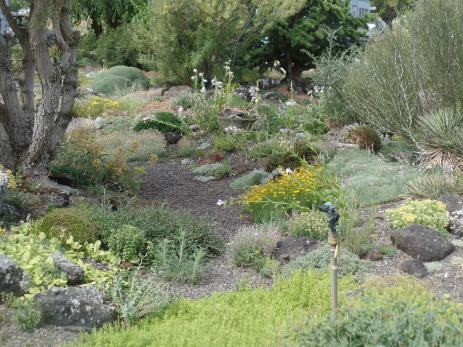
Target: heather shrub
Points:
(312, 224)
(64, 223)
(430, 213)
(252, 246)
(348, 263)
(393, 311)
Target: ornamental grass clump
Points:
(430, 213)
(303, 189)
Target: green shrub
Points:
(185, 99)
(430, 213)
(95, 106)
(249, 317)
(63, 223)
(228, 143)
(81, 160)
(439, 140)
(128, 242)
(431, 186)
(248, 180)
(173, 262)
(252, 246)
(389, 312)
(368, 179)
(138, 295)
(28, 315)
(109, 84)
(348, 262)
(158, 223)
(165, 122)
(366, 137)
(312, 224)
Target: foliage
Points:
(366, 137)
(165, 122)
(439, 140)
(368, 179)
(228, 143)
(128, 243)
(145, 145)
(308, 31)
(185, 99)
(28, 315)
(94, 107)
(312, 224)
(81, 159)
(248, 180)
(390, 9)
(348, 262)
(305, 188)
(137, 295)
(173, 261)
(158, 223)
(409, 72)
(392, 312)
(64, 223)
(252, 246)
(430, 213)
(186, 34)
(119, 77)
(431, 185)
(249, 317)
(33, 253)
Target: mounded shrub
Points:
(109, 84)
(312, 224)
(63, 223)
(128, 242)
(119, 77)
(366, 137)
(165, 122)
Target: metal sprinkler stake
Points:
(333, 216)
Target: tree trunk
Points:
(30, 131)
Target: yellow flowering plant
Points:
(95, 107)
(298, 190)
(430, 213)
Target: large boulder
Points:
(422, 243)
(13, 279)
(454, 204)
(75, 307)
(74, 273)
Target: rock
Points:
(434, 266)
(80, 123)
(457, 243)
(208, 169)
(203, 146)
(187, 161)
(172, 138)
(10, 214)
(422, 243)
(74, 273)
(244, 92)
(415, 268)
(454, 204)
(203, 179)
(13, 279)
(195, 128)
(172, 92)
(457, 261)
(374, 255)
(291, 248)
(237, 118)
(3, 180)
(100, 123)
(75, 307)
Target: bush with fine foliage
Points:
(66, 222)
(312, 224)
(391, 312)
(119, 78)
(366, 137)
(128, 242)
(416, 68)
(165, 122)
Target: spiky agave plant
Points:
(440, 140)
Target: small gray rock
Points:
(422, 243)
(100, 123)
(75, 307)
(434, 266)
(454, 204)
(74, 273)
(203, 179)
(415, 268)
(13, 279)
